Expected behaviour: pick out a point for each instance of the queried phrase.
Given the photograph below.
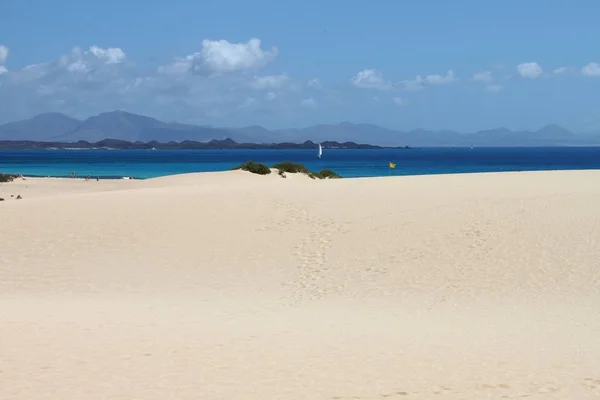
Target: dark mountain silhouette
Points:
(553, 131)
(40, 127)
(121, 125)
(183, 145)
(132, 127)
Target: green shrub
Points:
(7, 178)
(328, 174)
(253, 167)
(286, 166)
(291, 167)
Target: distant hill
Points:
(121, 125)
(41, 126)
(183, 145)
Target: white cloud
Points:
(487, 78)
(399, 101)
(419, 83)
(413, 84)
(78, 70)
(591, 69)
(437, 79)
(370, 79)
(494, 88)
(269, 82)
(530, 70)
(248, 102)
(180, 66)
(112, 55)
(78, 66)
(483, 76)
(3, 54)
(309, 103)
(3, 57)
(222, 56)
(30, 73)
(138, 84)
(88, 80)
(83, 61)
(315, 83)
(561, 71)
(218, 57)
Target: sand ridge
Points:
(231, 285)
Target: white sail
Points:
(320, 151)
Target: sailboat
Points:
(320, 153)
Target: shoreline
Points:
(93, 177)
(345, 177)
(34, 186)
(348, 163)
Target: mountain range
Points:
(121, 125)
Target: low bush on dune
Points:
(7, 178)
(255, 168)
(287, 167)
(291, 167)
(327, 174)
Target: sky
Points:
(464, 65)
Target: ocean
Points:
(348, 163)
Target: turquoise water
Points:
(348, 163)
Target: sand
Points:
(236, 286)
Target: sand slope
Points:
(235, 286)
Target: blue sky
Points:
(463, 65)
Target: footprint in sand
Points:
(498, 386)
(441, 390)
(592, 384)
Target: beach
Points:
(230, 285)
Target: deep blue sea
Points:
(348, 163)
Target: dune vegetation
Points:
(286, 167)
(255, 168)
(7, 178)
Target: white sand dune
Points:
(236, 286)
